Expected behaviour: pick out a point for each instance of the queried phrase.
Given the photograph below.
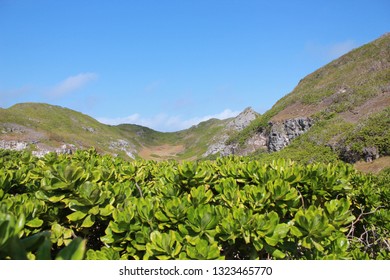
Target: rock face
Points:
(40, 152)
(370, 154)
(242, 120)
(13, 145)
(66, 149)
(122, 145)
(257, 141)
(349, 155)
(273, 138)
(283, 133)
(236, 124)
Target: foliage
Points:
(101, 207)
(373, 132)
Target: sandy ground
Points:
(161, 152)
(373, 167)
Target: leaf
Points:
(74, 251)
(279, 233)
(88, 221)
(161, 217)
(317, 245)
(35, 223)
(44, 250)
(89, 192)
(34, 241)
(20, 223)
(73, 173)
(278, 254)
(94, 210)
(76, 216)
(164, 245)
(107, 210)
(295, 231)
(56, 199)
(16, 249)
(203, 250)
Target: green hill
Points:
(348, 101)
(341, 111)
(42, 127)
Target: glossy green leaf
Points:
(76, 216)
(204, 251)
(88, 221)
(35, 223)
(74, 251)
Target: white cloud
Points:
(71, 84)
(330, 51)
(115, 121)
(164, 122)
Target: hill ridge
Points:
(340, 99)
(340, 111)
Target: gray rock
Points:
(370, 154)
(67, 149)
(13, 145)
(282, 133)
(123, 145)
(348, 155)
(89, 129)
(278, 136)
(236, 124)
(242, 120)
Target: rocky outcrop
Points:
(242, 120)
(67, 149)
(237, 124)
(282, 133)
(39, 150)
(273, 138)
(349, 155)
(123, 145)
(258, 141)
(13, 145)
(370, 154)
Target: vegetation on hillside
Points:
(54, 126)
(340, 86)
(373, 132)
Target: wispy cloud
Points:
(71, 84)
(330, 51)
(164, 122)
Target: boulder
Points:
(282, 133)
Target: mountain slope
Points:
(340, 111)
(186, 144)
(42, 128)
(344, 99)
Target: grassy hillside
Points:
(357, 84)
(349, 99)
(186, 144)
(49, 127)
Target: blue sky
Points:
(170, 64)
